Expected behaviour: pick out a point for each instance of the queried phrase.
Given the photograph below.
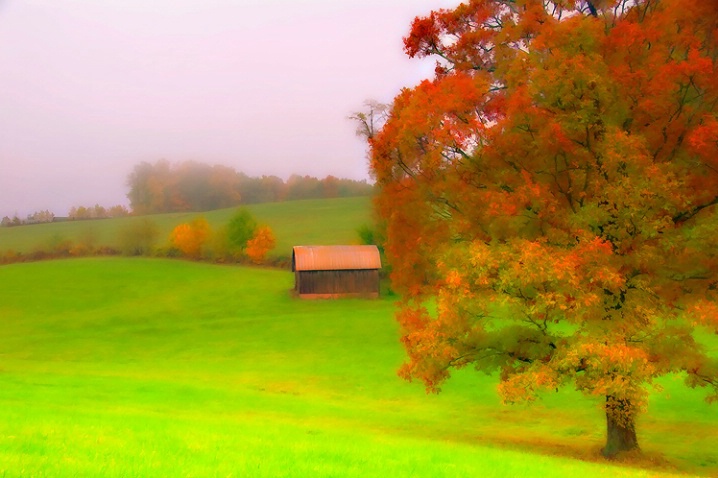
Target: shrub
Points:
(190, 237)
(138, 237)
(240, 229)
(260, 244)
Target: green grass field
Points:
(308, 222)
(153, 367)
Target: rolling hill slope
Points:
(314, 221)
(153, 367)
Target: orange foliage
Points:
(190, 237)
(563, 163)
(260, 244)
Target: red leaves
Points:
(556, 139)
(451, 33)
(424, 36)
(703, 140)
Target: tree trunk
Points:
(620, 432)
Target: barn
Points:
(336, 271)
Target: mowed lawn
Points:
(150, 367)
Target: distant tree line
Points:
(34, 218)
(97, 212)
(76, 213)
(192, 186)
(162, 187)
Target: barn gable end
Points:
(336, 271)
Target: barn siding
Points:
(334, 283)
(336, 271)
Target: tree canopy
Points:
(241, 229)
(552, 190)
(193, 186)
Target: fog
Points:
(89, 88)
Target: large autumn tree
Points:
(551, 198)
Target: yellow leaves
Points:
(524, 386)
(589, 299)
(613, 368)
(623, 408)
(608, 278)
(453, 279)
(561, 277)
(705, 312)
(622, 151)
(190, 237)
(620, 356)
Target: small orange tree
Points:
(554, 190)
(260, 244)
(190, 237)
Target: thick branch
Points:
(686, 215)
(592, 9)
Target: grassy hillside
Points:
(332, 221)
(148, 367)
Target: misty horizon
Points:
(91, 90)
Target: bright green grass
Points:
(137, 367)
(333, 221)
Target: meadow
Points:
(115, 366)
(308, 222)
(154, 367)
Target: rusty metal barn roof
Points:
(335, 258)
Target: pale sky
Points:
(89, 88)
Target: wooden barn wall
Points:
(337, 282)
